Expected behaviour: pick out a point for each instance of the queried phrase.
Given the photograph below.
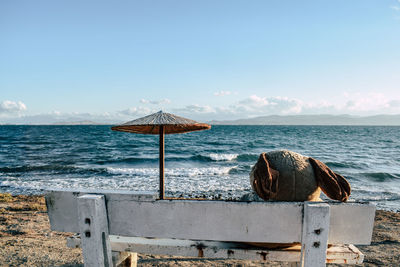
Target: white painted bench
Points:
(124, 221)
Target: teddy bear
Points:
(288, 176)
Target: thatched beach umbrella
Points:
(161, 123)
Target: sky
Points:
(206, 60)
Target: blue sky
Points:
(118, 60)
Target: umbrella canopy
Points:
(171, 124)
(161, 123)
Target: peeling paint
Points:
(263, 255)
(49, 202)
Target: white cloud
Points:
(354, 103)
(155, 102)
(196, 109)
(255, 105)
(255, 101)
(135, 111)
(57, 117)
(394, 103)
(11, 107)
(396, 8)
(222, 93)
(371, 102)
(249, 107)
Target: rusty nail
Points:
(263, 255)
(201, 253)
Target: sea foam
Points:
(221, 157)
(179, 172)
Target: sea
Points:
(212, 164)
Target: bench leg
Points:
(315, 234)
(125, 259)
(93, 224)
(132, 260)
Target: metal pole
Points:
(161, 162)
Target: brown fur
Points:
(289, 176)
(332, 184)
(266, 179)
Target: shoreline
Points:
(26, 239)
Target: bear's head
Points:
(288, 176)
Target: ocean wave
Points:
(39, 157)
(129, 160)
(215, 187)
(364, 193)
(199, 158)
(177, 172)
(223, 157)
(338, 164)
(381, 176)
(346, 165)
(248, 157)
(58, 168)
(237, 157)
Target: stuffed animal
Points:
(288, 176)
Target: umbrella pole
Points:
(161, 162)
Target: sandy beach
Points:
(26, 240)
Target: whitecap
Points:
(177, 172)
(223, 157)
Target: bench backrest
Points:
(142, 215)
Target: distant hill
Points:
(76, 123)
(390, 120)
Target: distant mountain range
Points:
(390, 120)
(76, 123)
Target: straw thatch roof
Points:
(151, 124)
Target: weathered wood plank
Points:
(213, 249)
(92, 218)
(207, 220)
(315, 234)
(277, 222)
(63, 208)
(348, 220)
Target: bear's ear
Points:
(332, 184)
(265, 181)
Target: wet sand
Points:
(26, 240)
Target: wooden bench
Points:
(123, 221)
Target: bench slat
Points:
(351, 223)
(275, 222)
(62, 204)
(211, 249)
(207, 220)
